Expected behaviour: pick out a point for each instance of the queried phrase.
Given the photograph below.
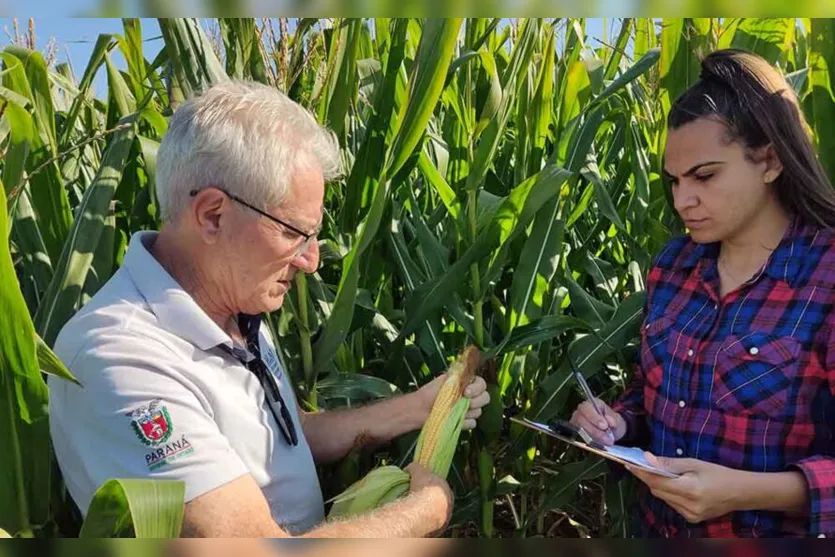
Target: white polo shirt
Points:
(161, 399)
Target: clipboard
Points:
(576, 436)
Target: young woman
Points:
(735, 385)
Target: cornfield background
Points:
(502, 188)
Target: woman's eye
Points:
(703, 177)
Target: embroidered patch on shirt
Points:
(152, 424)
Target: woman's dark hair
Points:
(759, 107)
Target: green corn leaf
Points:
(537, 332)
(682, 40)
(589, 353)
(136, 508)
(25, 482)
(63, 296)
(432, 62)
(103, 45)
(820, 102)
(541, 105)
(537, 265)
(194, 63)
(613, 63)
(764, 36)
(25, 74)
(638, 69)
(514, 214)
(430, 66)
(511, 81)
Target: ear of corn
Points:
(439, 459)
(434, 450)
(382, 485)
(439, 437)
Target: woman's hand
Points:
(606, 430)
(702, 491)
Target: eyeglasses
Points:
(308, 237)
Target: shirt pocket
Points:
(754, 373)
(655, 353)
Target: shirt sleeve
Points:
(630, 405)
(819, 470)
(136, 416)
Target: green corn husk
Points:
(381, 485)
(435, 447)
(440, 459)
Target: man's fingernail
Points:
(610, 437)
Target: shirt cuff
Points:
(637, 432)
(820, 478)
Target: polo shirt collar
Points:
(175, 309)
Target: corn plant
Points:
(502, 188)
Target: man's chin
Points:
(274, 302)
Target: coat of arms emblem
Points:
(151, 423)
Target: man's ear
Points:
(207, 209)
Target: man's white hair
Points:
(242, 136)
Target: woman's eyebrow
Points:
(692, 169)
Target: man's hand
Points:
(606, 431)
(703, 490)
(476, 391)
(436, 491)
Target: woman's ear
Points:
(773, 164)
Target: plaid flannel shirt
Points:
(746, 381)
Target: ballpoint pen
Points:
(589, 396)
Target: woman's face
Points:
(719, 188)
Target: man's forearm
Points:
(776, 491)
(331, 435)
(413, 516)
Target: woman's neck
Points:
(747, 251)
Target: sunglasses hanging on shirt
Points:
(249, 326)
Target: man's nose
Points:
(308, 260)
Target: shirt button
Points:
(753, 350)
(679, 452)
(821, 535)
(690, 352)
(681, 404)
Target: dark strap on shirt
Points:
(250, 325)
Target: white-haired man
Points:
(181, 379)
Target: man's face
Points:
(262, 253)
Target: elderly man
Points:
(181, 378)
